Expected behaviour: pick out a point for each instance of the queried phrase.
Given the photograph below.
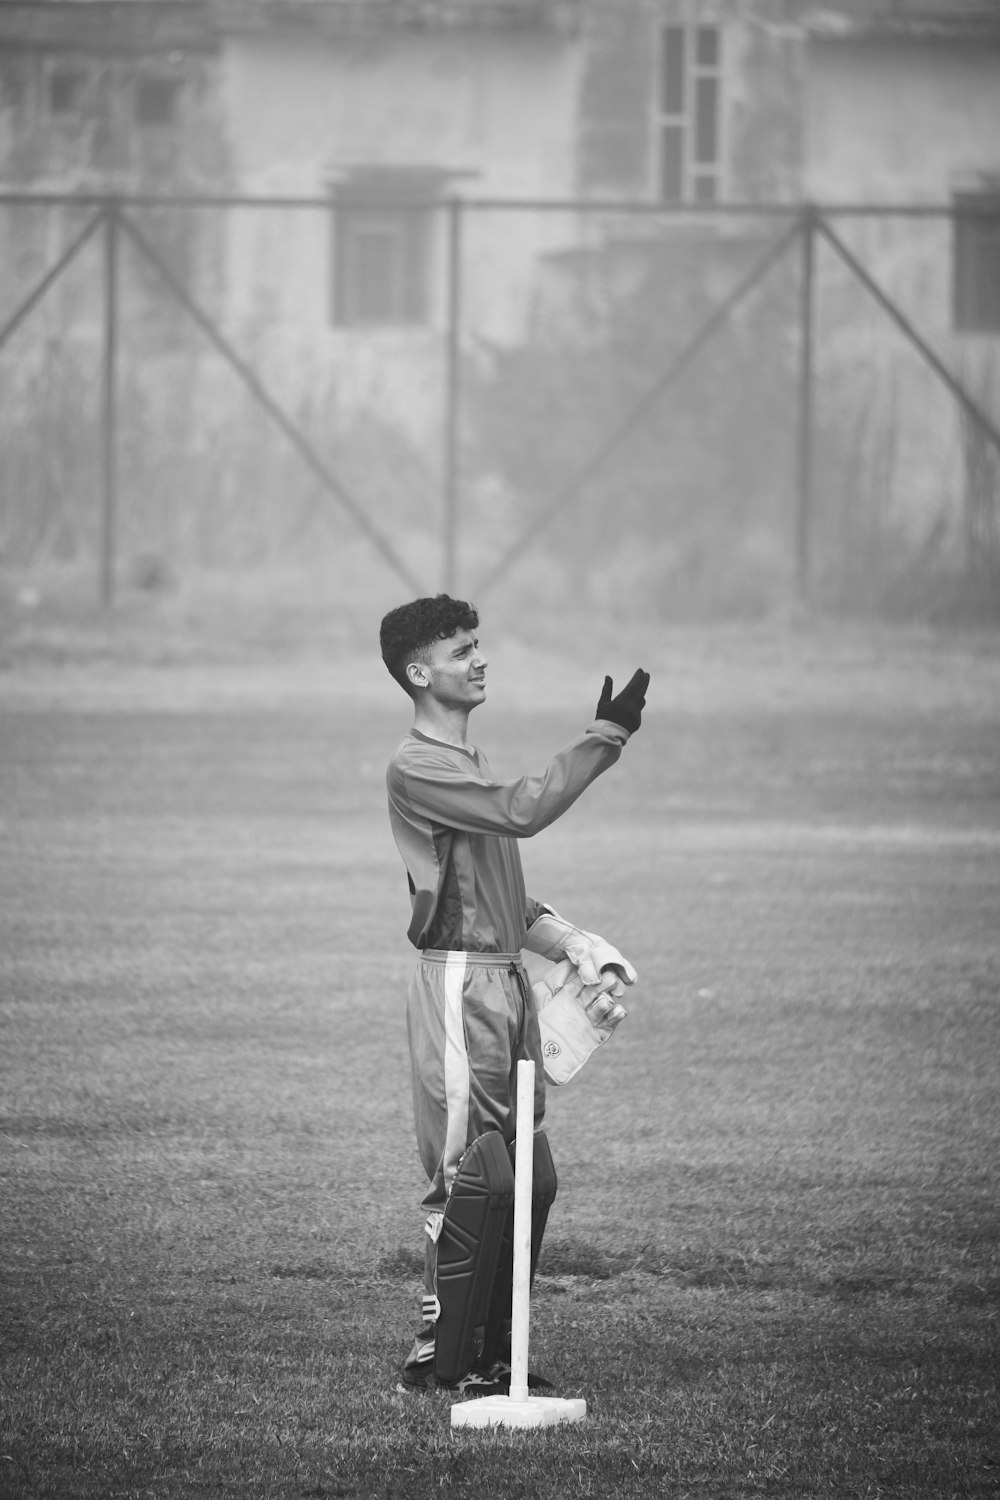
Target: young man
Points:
(471, 1013)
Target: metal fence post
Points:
(451, 411)
(109, 411)
(803, 537)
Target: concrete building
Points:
(564, 125)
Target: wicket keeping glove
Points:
(551, 936)
(624, 709)
(578, 996)
(574, 1018)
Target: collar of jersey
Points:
(469, 750)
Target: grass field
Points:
(772, 1269)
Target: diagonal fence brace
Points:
(570, 490)
(51, 276)
(902, 322)
(278, 415)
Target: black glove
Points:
(626, 709)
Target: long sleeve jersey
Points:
(457, 827)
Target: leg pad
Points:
(475, 1217)
(544, 1186)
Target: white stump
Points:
(520, 1408)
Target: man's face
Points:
(455, 671)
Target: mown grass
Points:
(772, 1269)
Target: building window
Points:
(156, 100)
(381, 253)
(12, 82)
(976, 287)
(66, 90)
(689, 110)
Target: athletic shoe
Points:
(420, 1380)
(417, 1373)
(475, 1384)
(500, 1371)
(500, 1368)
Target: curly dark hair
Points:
(406, 632)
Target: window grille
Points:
(689, 110)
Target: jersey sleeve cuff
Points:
(609, 730)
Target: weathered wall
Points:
(907, 121)
(99, 145)
(494, 106)
(615, 120)
(764, 93)
(900, 121)
(493, 113)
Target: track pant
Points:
(471, 1018)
